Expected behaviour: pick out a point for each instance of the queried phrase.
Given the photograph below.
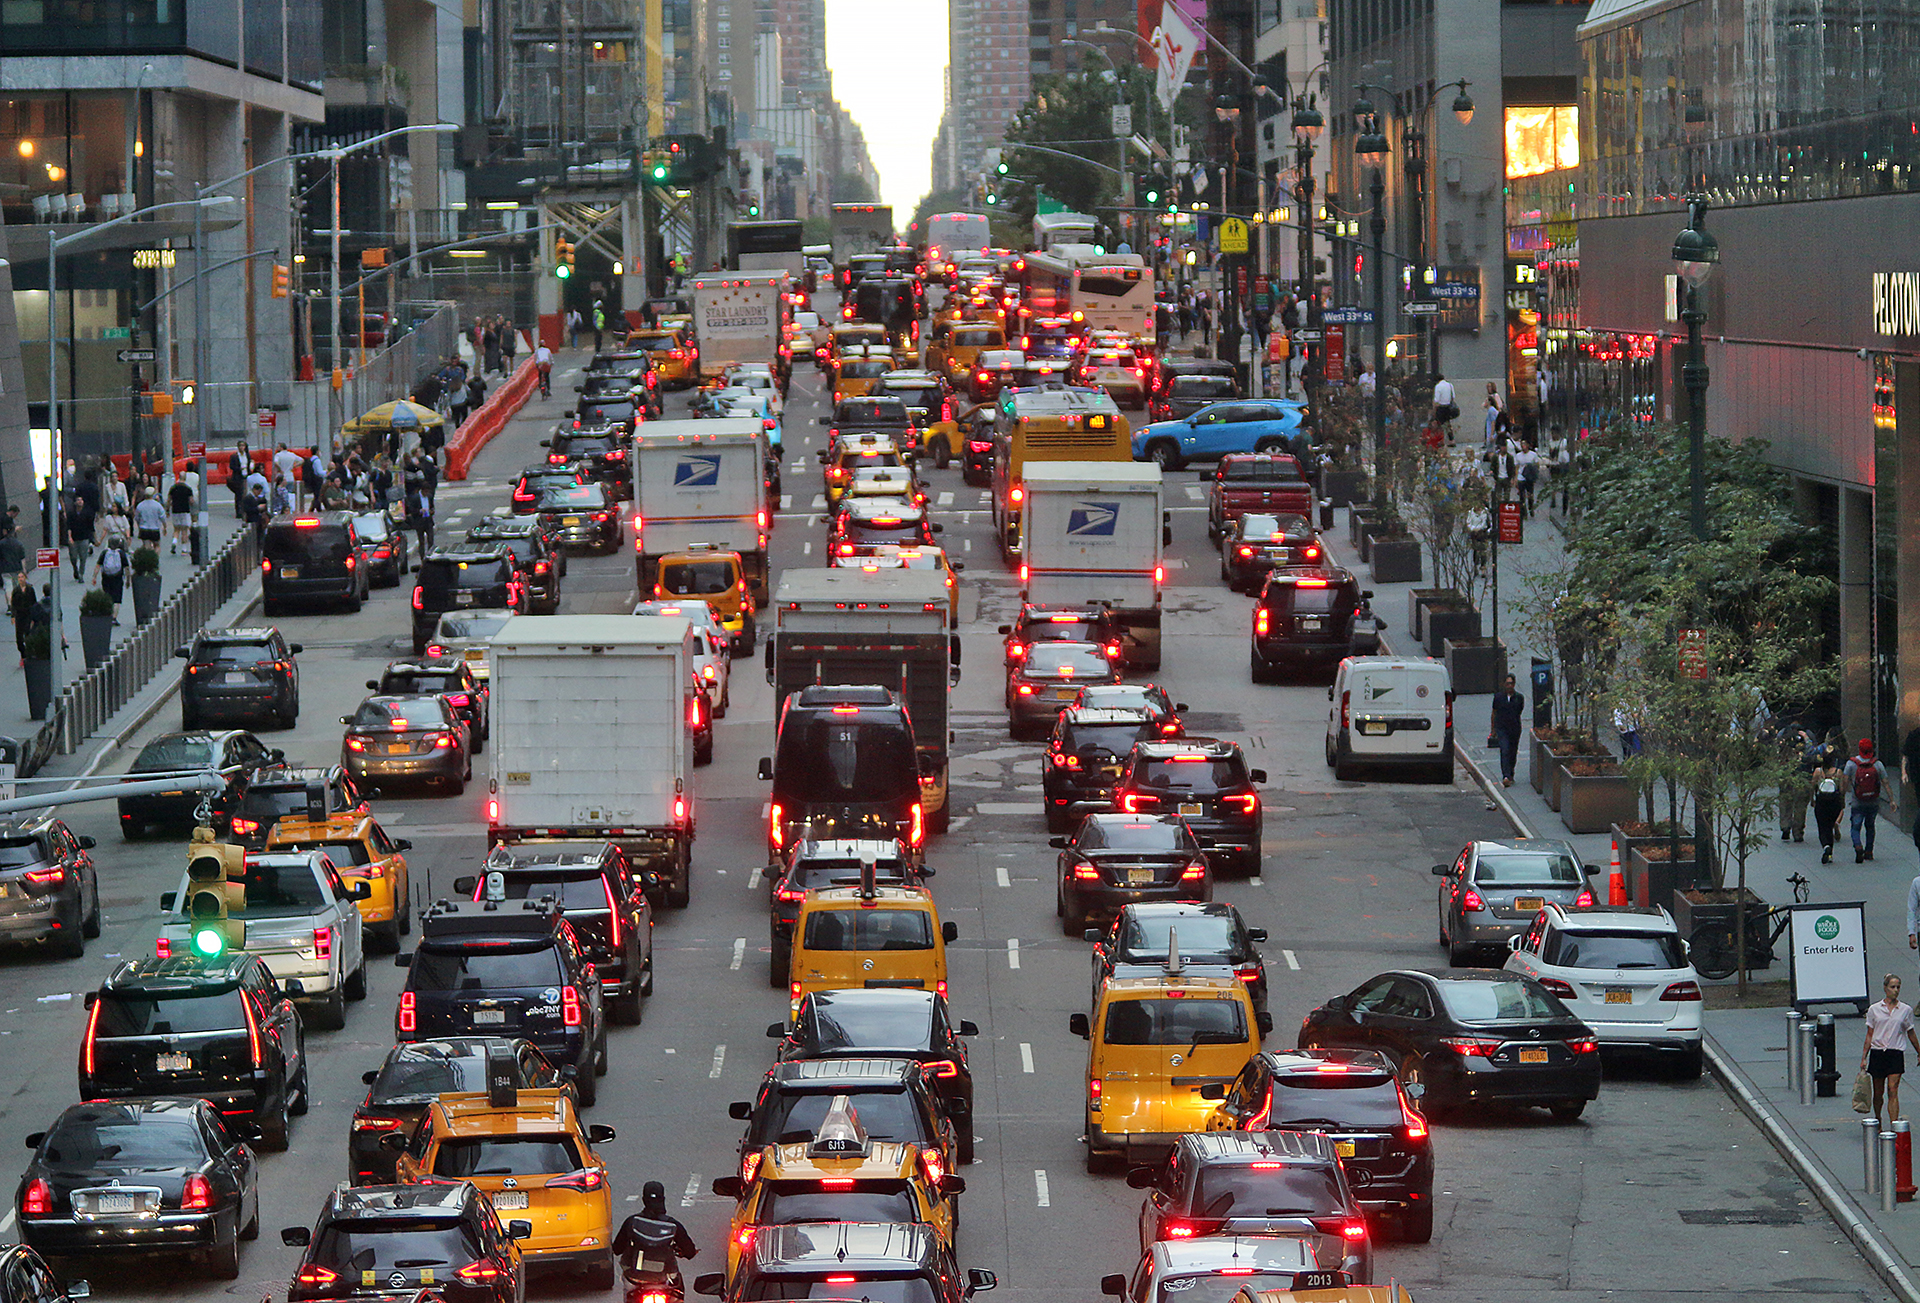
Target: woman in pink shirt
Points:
(1883, 1057)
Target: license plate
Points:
(289, 572)
(476, 653)
(506, 1199)
(1139, 877)
(1373, 727)
(173, 1062)
(1193, 811)
(571, 521)
(1531, 904)
(398, 748)
(463, 599)
(1065, 694)
(113, 1203)
(237, 677)
(1312, 623)
(1619, 995)
(1533, 1056)
(489, 1017)
(1344, 1148)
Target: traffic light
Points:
(753, 208)
(992, 198)
(562, 257)
(1001, 169)
(372, 259)
(282, 280)
(156, 404)
(658, 166)
(1153, 196)
(212, 896)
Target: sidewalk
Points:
(1746, 1047)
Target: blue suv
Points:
(1241, 425)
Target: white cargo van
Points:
(1390, 712)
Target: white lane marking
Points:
(967, 545)
(6, 1223)
(1040, 1187)
(1196, 492)
(719, 1061)
(1292, 963)
(946, 500)
(786, 501)
(1026, 1056)
(693, 1189)
(1000, 875)
(1013, 952)
(1256, 881)
(819, 501)
(739, 953)
(807, 550)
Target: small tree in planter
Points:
(146, 583)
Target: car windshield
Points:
(348, 853)
(788, 1202)
(808, 874)
(1134, 835)
(1614, 950)
(1345, 1099)
(178, 751)
(126, 1013)
(264, 803)
(975, 337)
(1060, 628)
(1246, 1190)
(865, 368)
(280, 889)
(1145, 939)
(20, 852)
(413, 1077)
(374, 528)
(415, 682)
(1167, 1021)
(1309, 599)
(233, 653)
(575, 889)
(1497, 1000)
(401, 713)
(869, 1289)
(838, 1026)
(1116, 740)
(696, 578)
(884, 1115)
(387, 1244)
(109, 1138)
(473, 626)
(440, 575)
(1208, 387)
(651, 343)
(1528, 869)
(506, 1155)
(497, 967)
(869, 929)
(296, 541)
(1198, 774)
(1066, 661)
(835, 758)
(1212, 1287)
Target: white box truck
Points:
(701, 482)
(1093, 534)
(590, 739)
(859, 228)
(737, 317)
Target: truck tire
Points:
(331, 1014)
(356, 985)
(680, 891)
(938, 820)
(942, 454)
(626, 1007)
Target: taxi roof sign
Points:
(840, 1132)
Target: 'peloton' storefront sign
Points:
(1896, 303)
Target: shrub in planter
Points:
(146, 561)
(96, 626)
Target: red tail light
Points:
(693, 713)
(1026, 689)
(419, 603)
(1093, 1091)
(493, 809)
(1248, 973)
(1346, 720)
(323, 942)
(1248, 802)
(254, 1046)
(1554, 986)
(1018, 495)
(679, 809)
(376, 1124)
(917, 834)
(460, 698)
(1588, 1046)
(750, 1163)
(196, 1194)
(1415, 1124)
(1086, 873)
(613, 911)
(570, 1006)
(409, 1016)
(1351, 1229)
(743, 1238)
(1245, 551)
(1471, 1047)
(1194, 872)
(1449, 710)
(353, 744)
(479, 1271)
(1179, 1230)
(1472, 900)
(442, 741)
(942, 1068)
(585, 1181)
(266, 565)
(1134, 802)
(51, 876)
(93, 1025)
(37, 1201)
(1681, 991)
(163, 949)
(775, 834)
(1262, 621)
(791, 895)
(314, 1276)
(1584, 898)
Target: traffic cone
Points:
(1616, 884)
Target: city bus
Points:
(951, 234)
(1049, 425)
(1050, 229)
(1094, 290)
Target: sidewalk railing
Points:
(90, 700)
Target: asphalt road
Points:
(1661, 1191)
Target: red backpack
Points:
(1866, 779)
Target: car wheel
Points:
(1270, 445)
(1073, 922)
(1056, 819)
(251, 1231)
(456, 786)
(1328, 748)
(1691, 1060)
(1343, 766)
(720, 706)
(626, 1008)
(357, 982)
(1164, 455)
(132, 831)
(70, 942)
(1416, 1224)
(299, 1096)
(599, 1276)
(1459, 956)
(223, 1260)
(385, 937)
(966, 1156)
(273, 1129)
(600, 1061)
(332, 1015)
(91, 927)
(779, 962)
(1567, 1110)
(587, 1086)
(1258, 672)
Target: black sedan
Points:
(1116, 860)
(140, 1176)
(386, 548)
(235, 753)
(603, 451)
(415, 1074)
(1211, 934)
(894, 1023)
(535, 480)
(1257, 543)
(1463, 1037)
(580, 515)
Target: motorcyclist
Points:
(628, 1244)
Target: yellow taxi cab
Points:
(1153, 1043)
(850, 453)
(851, 334)
(842, 1175)
(858, 368)
(956, 345)
(901, 556)
(527, 1151)
(886, 482)
(675, 360)
(868, 936)
(360, 848)
(704, 571)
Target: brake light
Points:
(1352, 1229)
(585, 1181)
(1134, 802)
(1248, 973)
(1086, 873)
(1246, 551)
(409, 1016)
(1262, 621)
(162, 948)
(1019, 495)
(1346, 699)
(1016, 650)
(1093, 1091)
(1023, 569)
(789, 894)
(1472, 900)
(570, 1006)
(45, 877)
(1194, 872)
(197, 1193)
(749, 1166)
(37, 1201)
(1554, 986)
(1415, 1124)
(1249, 802)
(478, 1271)
(1311, 553)
(613, 911)
(1586, 1046)
(459, 698)
(693, 713)
(323, 942)
(493, 809)
(253, 1034)
(418, 598)
(317, 1277)
(1179, 1230)
(679, 809)
(1159, 575)
(1026, 689)
(1681, 991)
(376, 1124)
(774, 832)
(917, 833)
(1449, 710)
(356, 744)
(1472, 1047)
(1113, 651)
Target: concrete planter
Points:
(1419, 599)
(39, 687)
(1654, 882)
(1539, 764)
(96, 638)
(1358, 518)
(1556, 774)
(1595, 803)
(146, 597)
(1476, 667)
(1395, 560)
(1462, 624)
(1343, 488)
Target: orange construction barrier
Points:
(478, 430)
(1616, 884)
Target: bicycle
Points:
(1711, 946)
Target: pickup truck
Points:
(1256, 481)
(302, 920)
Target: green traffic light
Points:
(563, 271)
(209, 943)
(992, 200)
(1003, 169)
(659, 172)
(1153, 196)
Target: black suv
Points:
(1211, 934)
(534, 551)
(605, 901)
(277, 791)
(447, 676)
(415, 1074)
(867, 1260)
(221, 1029)
(827, 860)
(527, 488)
(872, 414)
(379, 1241)
(1354, 1098)
(1088, 748)
(1311, 616)
(1207, 783)
(317, 559)
(845, 752)
(48, 888)
(1061, 624)
(505, 969)
(243, 674)
(456, 579)
(235, 753)
(890, 1095)
(602, 450)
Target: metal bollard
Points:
(1870, 1154)
(1826, 1074)
(1804, 1035)
(1901, 1178)
(1886, 1168)
(1793, 1049)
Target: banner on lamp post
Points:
(1175, 41)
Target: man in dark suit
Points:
(1504, 729)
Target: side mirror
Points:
(766, 764)
(709, 1282)
(87, 843)
(776, 1031)
(1214, 1090)
(346, 719)
(181, 651)
(980, 1280)
(727, 1187)
(1166, 536)
(295, 648)
(1114, 1285)
(1438, 870)
(403, 843)
(1094, 935)
(166, 900)
(394, 1143)
(939, 529)
(403, 960)
(78, 1289)
(1257, 775)
(740, 1110)
(1516, 941)
(1181, 707)
(949, 932)
(1143, 1178)
(548, 443)
(953, 1185)
(519, 1229)
(294, 989)
(359, 890)
(821, 453)
(1257, 934)
(373, 685)
(1415, 1089)
(1058, 843)
(957, 566)
(968, 1028)
(926, 870)
(1366, 594)
(1592, 870)
(465, 886)
(1006, 628)
(296, 1237)
(1077, 1025)
(600, 1133)
(33, 1141)
(1264, 1022)
(370, 1076)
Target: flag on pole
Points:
(1175, 42)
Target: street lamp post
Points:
(1370, 148)
(1695, 254)
(1307, 125)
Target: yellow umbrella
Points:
(401, 414)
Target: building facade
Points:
(987, 44)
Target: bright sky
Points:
(886, 57)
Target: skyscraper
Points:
(987, 42)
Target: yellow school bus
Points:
(1049, 425)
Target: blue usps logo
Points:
(1093, 520)
(696, 473)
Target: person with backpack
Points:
(1866, 781)
(1829, 797)
(110, 572)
